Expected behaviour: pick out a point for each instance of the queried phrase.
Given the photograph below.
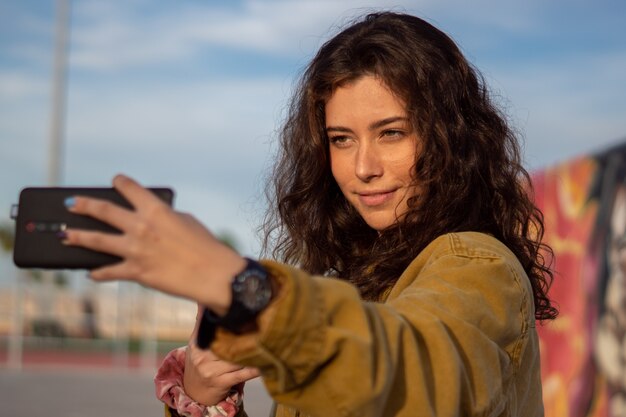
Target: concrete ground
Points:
(94, 392)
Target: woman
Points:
(398, 177)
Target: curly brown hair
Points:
(471, 177)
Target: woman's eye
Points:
(338, 140)
(393, 133)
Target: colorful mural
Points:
(584, 349)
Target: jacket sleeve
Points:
(448, 338)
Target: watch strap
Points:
(206, 330)
(237, 319)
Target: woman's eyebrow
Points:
(337, 129)
(373, 126)
(386, 121)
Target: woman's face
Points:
(372, 150)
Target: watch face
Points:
(252, 289)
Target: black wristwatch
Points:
(251, 293)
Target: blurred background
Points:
(189, 94)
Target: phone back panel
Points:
(42, 215)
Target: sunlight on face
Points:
(372, 150)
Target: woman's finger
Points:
(118, 271)
(217, 368)
(110, 243)
(138, 196)
(207, 360)
(106, 211)
(194, 332)
(241, 375)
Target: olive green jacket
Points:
(455, 337)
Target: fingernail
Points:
(69, 202)
(62, 236)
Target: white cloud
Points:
(566, 113)
(24, 122)
(214, 114)
(108, 38)
(516, 17)
(14, 84)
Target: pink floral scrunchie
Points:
(169, 389)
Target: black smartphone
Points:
(41, 215)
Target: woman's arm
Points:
(450, 340)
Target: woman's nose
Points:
(368, 163)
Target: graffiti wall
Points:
(584, 349)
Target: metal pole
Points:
(57, 121)
(16, 339)
(148, 359)
(121, 345)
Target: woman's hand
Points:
(208, 379)
(159, 247)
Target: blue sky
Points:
(190, 93)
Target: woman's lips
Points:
(373, 199)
